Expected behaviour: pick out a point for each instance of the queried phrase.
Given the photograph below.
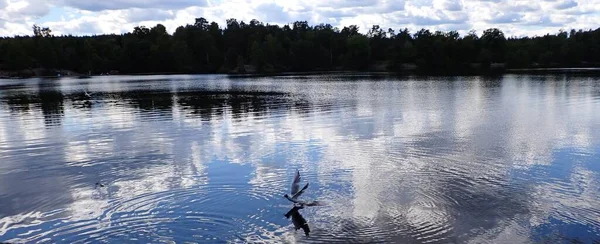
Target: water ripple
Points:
(206, 213)
(206, 159)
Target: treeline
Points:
(256, 47)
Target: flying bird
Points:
(297, 192)
(297, 219)
(87, 94)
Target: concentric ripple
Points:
(197, 214)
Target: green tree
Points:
(41, 32)
(494, 41)
(485, 58)
(359, 52)
(206, 47)
(257, 56)
(16, 57)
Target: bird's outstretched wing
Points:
(296, 183)
(295, 196)
(314, 203)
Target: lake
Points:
(208, 158)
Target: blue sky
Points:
(515, 18)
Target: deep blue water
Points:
(207, 159)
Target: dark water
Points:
(513, 159)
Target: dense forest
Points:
(239, 47)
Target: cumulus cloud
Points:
(272, 12)
(450, 5)
(138, 15)
(521, 7)
(391, 6)
(438, 18)
(545, 20)
(95, 17)
(337, 13)
(21, 10)
(350, 3)
(87, 27)
(35, 8)
(503, 18)
(126, 4)
(566, 4)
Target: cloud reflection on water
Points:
(418, 160)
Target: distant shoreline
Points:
(496, 71)
(557, 70)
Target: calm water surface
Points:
(513, 159)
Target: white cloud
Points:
(94, 17)
(33, 8)
(272, 12)
(566, 4)
(502, 18)
(450, 5)
(521, 6)
(138, 15)
(126, 4)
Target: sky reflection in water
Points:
(510, 159)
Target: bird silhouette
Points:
(297, 219)
(89, 95)
(297, 192)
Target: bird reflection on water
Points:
(297, 219)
